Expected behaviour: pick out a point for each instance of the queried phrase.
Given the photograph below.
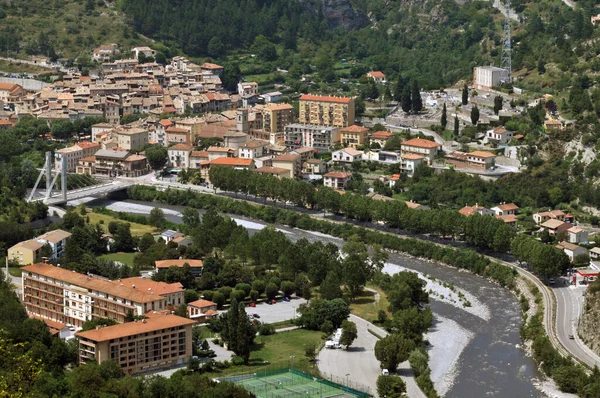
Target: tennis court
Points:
(290, 383)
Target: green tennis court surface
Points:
(290, 383)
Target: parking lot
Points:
(280, 311)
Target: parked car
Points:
(571, 337)
(286, 299)
(551, 281)
(256, 316)
(252, 304)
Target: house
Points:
(184, 241)
(346, 156)
(253, 149)
(377, 76)
(196, 266)
(105, 52)
(380, 138)
(71, 154)
(305, 152)
(178, 134)
(410, 162)
(212, 68)
(554, 215)
(11, 92)
(552, 124)
(470, 210)
(336, 179)
(179, 155)
(555, 226)
(202, 310)
(505, 209)
(278, 172)
(291, 162)
(147, 51)
(509, 219)
(115, 342)
(393, 180)
(472, 160)
(353, 136)
(314, 166)
(595, 253)
(215, 152)
(571, 250)
(57, 240)
(499, 135)
(415, 205)
(169, 235)
(577, 235)
(419, 146)
(236, 163)
(131, 138)
(272, 96)
(26, 252)
(6, 124)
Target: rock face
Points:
(338, 13)
(589, 322)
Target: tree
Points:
(474, 115)
(146, 241)
(465, 95)
(157, 156)
(417, 102)
(123, 238)
(156, 218)
(215, 47)
(444, 120)
(237, 330)
(311, 351)
(456, 125)
(498, 103)
(330, 288)
(405, 101)
(541, 66)
(62, 129)
(399, 90)
(349, 333)
(390, 386)
(271, 291)
(190, 217)
(393, 350)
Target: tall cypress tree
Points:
(399, 89)
(417, 103)
(465, 95)
(456, 125)
(405, 101)
(474, 115)
(444, 120)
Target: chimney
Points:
(44, 260)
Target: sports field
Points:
(289, 383)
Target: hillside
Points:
(589, 323)
(62, 28)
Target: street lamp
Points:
(290, 361)
(347, 382)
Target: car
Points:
(273, 301)
(252, 304)
(286, 299)
(551, 281)
(256, 316)
(385, 372)
(571, 337)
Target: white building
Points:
(72, 154)
(346, 156)
(499, 134)
(57, 240)
(179, 155)
(147, 51)
(254, 149)
(577, 235)
(486, 77)
(419, 146)
(322, 138)
(336, 179)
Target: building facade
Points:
(326, 111)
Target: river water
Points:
(491, 363)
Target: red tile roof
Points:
(231, 162)
(181, 147)
(383, 135)
(178, 263)
(482, 154)
(355, 129)
(319, 98)
(338, 174)
(377, 74)
(421, 143)
(202, 303)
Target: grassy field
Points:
(124, 258)
(14, 67)
(400, 196)
(367, 307)
(276, 350)
(136, 229)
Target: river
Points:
(478, 347)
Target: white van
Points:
(385, 372)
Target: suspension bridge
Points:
(70, 186)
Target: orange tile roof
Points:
(355, 129)
(421, 143)
(279, 107)
(176, 130)
(231, 162)
(482, 154)
(412, 205)
(319, 98)
(289, 157)
(272, 170)
(154, 323)
(178, 263)
(165, 122)
(30, 244)
(6, 122)
(412, 156)
(508, 206)
(55, 236)
(338, 174)
(381, 135)
(199, 154)
(202, 303)
(208, 65)
(181, 147)
(87, 145)
(377, 74)
(112, 288)
(152, 286)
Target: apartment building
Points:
(277, 116)
(353, 136)
(72, 155)
(179, 155)
(160, 341)
(54, 293)
(28, 252)
(131, 139)
(419, 146)
(321, 138)
(326, 111)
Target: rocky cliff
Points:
(589, 323)
(338, 13)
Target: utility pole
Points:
(506, 62)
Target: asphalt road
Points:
(360, 364)
(569, 305)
